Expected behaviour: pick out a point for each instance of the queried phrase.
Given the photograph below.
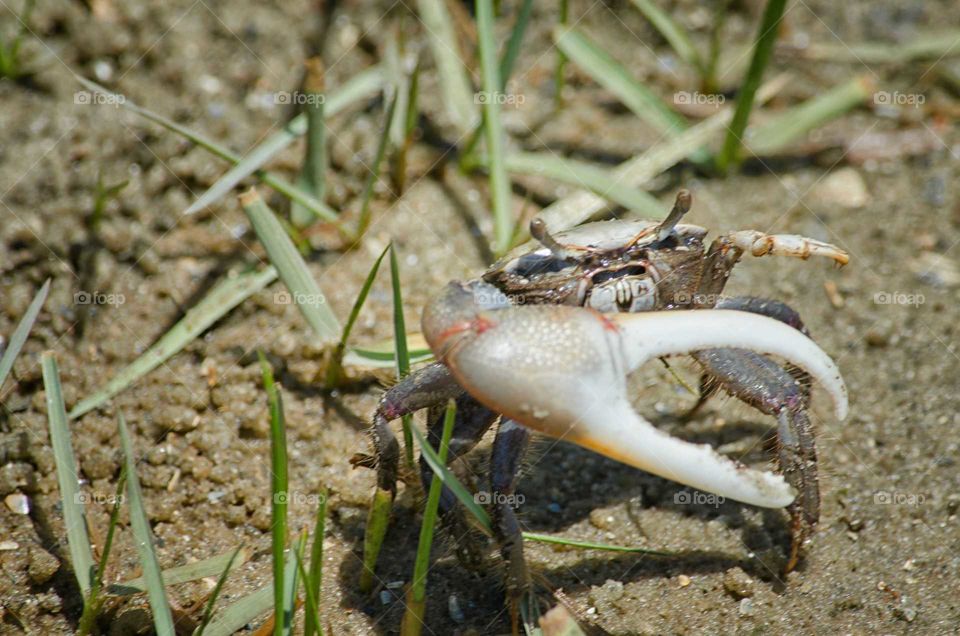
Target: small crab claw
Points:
(562, 371)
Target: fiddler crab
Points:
(544, 342)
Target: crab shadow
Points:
(561, 484)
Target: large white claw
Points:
(562, 371)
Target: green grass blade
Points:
(312, 610)
(279, 489)
(584, 175)
(366, 357)
(559, 71)
(22, 331)
(672, 32)
(454, 75)
(799, 120)
(283, 254)
(766, 38)
(215, 594)
(635, 172)
(93, 604)
(313, 580)
(290, 584)
(315, 164)
(413, 618)
(401, 351)
(182, 573)
(512, 51)
(68, 479)
(450, 481)
(143, 537)
(335, 370)
(373, 175)
(499, 182)
(610, 74)
(361, 85)
(224, 297)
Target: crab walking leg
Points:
(562, 371)
(758, 244)
(648, 335)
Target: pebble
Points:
(936, 269)
(844, 187)
(42, 565)
(18, 503)
(6, 546)
(385, 597)
(737, 583)
(746, 607)
(683, 580)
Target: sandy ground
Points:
(885, 559)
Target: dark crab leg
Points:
(509, 448)
(425, 387)
(782, 393)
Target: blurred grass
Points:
(454, 75)
(729, 155)
(499, 181)
(143, 538)
(313, 579)
(10, 62)
(94, 601)
(313, 173)
(22, 332)
(215, 594)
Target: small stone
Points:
(683, 580)
(876, 337)
(6, 546)
(385, 597)
(601, 519)
(746, 607)
(17, 503)
(844, 187)
(936, 269)
(42, 565)
(908, 565)
(737, 583)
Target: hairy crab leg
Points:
(562, 371)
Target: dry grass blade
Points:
(304, 291)
(183, 573)
(22, 331)
(140, 525)
(68, 479)
(215, 594)
(635, 172)
(360, 85)
(224, 297)
(584, 175)
(795, 122)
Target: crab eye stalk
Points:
(539, 231)
(680, 207)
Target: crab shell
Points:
(532, 274)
